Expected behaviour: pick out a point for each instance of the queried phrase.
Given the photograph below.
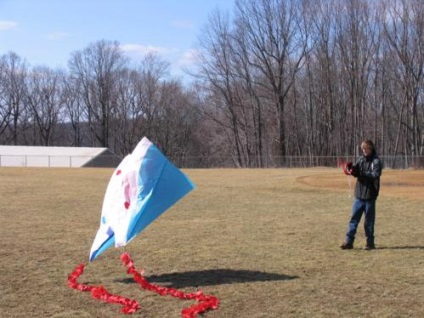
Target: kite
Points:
(143, 186)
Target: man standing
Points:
(367, 170)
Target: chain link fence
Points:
(393, 162)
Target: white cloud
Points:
(189, 57)
(58, 36)
(8, 25)
(182, 24)
(142, 50)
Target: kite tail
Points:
(129, 306)
(204, 302)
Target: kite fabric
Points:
(143, 186)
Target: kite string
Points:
(205, 302)
(343, 164)
(350, 185)
(129, 306)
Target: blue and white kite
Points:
(143, 186)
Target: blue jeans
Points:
(360, 207)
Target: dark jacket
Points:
(368, 171)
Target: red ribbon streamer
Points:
(205, 302)
(129, 306)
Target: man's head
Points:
(367, 147)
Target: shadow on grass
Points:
(211, 277)
(401, 248)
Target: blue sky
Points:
(46, 32)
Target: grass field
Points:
(265, 242)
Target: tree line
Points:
(274, 79)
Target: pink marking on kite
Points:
(127, 204)
(118, 172)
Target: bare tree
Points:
(95, 69)
(129, 116)
(14, 72)
(176, 120)
(404, 30)
(153, 70)
(357, 33)
(321, 117)
(277, 36)
(252, 68)
(217, 67)
(5, 110)
(74, 109)
(45, 101)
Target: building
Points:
(41, 156)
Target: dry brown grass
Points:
(264, 241)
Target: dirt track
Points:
(394, 183)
